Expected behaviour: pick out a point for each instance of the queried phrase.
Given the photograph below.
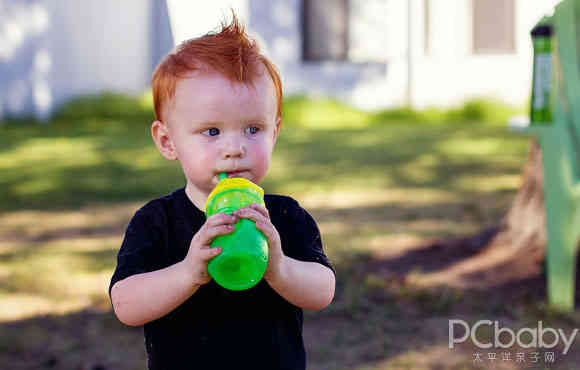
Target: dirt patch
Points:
(416, 293)
(472, 263)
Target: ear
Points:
(277, 128)
(160, 134)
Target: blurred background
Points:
(373, 54)
(395, 138)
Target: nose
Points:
(234, 147)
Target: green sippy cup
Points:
(244, 256)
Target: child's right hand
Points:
(200, 253)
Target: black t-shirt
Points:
(218, 328)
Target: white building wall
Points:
(104, 45)
(53, 50)
(277, 24)
(191, 19)
(451, 73)
(447, 75)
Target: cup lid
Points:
(233, 183)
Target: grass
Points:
(378, 186)
(99, 150)
(326, 113)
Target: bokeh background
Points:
(395, 138)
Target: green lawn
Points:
(376, 189)
(71, 164)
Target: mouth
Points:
(235, 173)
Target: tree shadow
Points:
(439, 255)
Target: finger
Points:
(209, 253)
(261, 209)
(210, 233)
(250, 214)
(269, 231)
(221, 219)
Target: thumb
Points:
(209, 253)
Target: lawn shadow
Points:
(107, 169)
(439, 255)
(123, 164)
(89, 339)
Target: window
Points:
(344, 30)
(325, 30)
(493, 26)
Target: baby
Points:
(218, 107)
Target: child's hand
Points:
(200, 252)
(261, 217)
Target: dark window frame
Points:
(309, 54)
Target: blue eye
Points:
(212, 131)
(252, 130)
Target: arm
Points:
(145, 297)
(308, 285)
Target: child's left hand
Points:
(261, 217)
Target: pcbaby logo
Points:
(537, 336)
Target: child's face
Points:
(218, 126)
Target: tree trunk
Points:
(525, 223)
(523, 227)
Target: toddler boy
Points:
(218, 106)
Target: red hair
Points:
(229, 52)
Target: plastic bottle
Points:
(244, 256)
(541, 110)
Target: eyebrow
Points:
(256, 120)
(207, 123)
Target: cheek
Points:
(194, 155)
(260, 151)
(261, 157)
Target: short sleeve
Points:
(302, 239)
(140, 248)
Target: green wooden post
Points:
(559, 141)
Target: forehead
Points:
(206, 93)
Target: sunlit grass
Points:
(56, 276)
(50, 154)
(367, 196)
(489, 184)
(324, 114)
(30, 224)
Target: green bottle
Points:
(244, 256)
(541, 109)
